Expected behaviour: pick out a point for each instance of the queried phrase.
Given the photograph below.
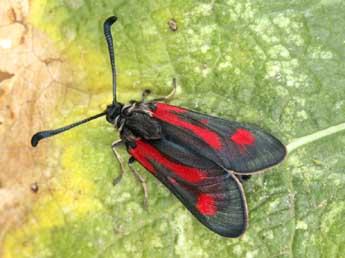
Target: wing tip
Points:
(279, 160)
(234, 233)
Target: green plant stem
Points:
(299, 142)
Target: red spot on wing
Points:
(243, 137)
(164, 113)
(146, 153)
(206, 204)
(139, 154)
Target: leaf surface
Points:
(276, 64)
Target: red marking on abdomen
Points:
(206, 204)
(243, 137)
(170, 108)
(163, 112)
(172, 180)
(204, 121)
(144, 152)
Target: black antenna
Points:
(45, 134)
(107, 33)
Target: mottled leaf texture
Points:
(275, 64)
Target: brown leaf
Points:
(31, 77)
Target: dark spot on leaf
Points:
(11, 14)
(12, 116)
(5, 76)
(172, 24)
(34, 187)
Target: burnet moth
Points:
(201, 159)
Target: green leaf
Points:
(278, 64)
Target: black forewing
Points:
(216, 200)
(241, 148)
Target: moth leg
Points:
(171, 94)
(145, 94)
(140, 179)
(115, 144)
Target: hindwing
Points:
(214, 196)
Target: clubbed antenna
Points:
(45, 134)
(107, 33)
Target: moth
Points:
(201, 159)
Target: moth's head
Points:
(113, 111)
